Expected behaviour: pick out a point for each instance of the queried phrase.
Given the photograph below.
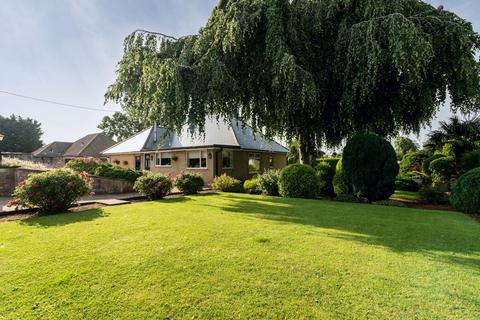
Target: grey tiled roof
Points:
(233, 134)
(52, 150)
(89, 146)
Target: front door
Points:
(147, 162)
(138, 163)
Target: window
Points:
(271, 163)
(197, 159)
(146, 163)
(253, 163)
(227, 159)
(164, 159)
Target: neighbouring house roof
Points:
(90, 146)
(52, 150)
(221, 133)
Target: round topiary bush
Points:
(466, 193)
(190, 183)
(370, 167)
(412, 161)
(52, 191)
(154, 186)
(426, 163)
(251, 186)
(298, 181)
(325, 174)
(268, 182)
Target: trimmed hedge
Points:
(52, 191)
(426, 163)
(412, 161)
(370, 167)
(88, 165)
(154, 185)
(190, 183)
(298, 181)
(108, 171)
(340, 184)
(433, 196)
(466, 193)
(442, 169)
(406, 184)
(268, 182)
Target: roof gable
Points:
(89, 146)
(52, 150)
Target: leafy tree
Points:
(20, 134)
(404, 145)
(316, 71)
(455, 136)
(120, 126)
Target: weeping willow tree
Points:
(313, 70)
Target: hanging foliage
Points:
(313, 70)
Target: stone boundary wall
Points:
(11, 177)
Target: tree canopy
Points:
(316, 71)
(20, 134)
(120, 126)
(404, 145)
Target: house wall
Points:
(240, 163)
(214, 164)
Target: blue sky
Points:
(68, 50)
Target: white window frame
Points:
(202, 151)
(231, 160)
(256, 156)
(158, 155)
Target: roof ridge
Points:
(95, 135)
(131, 137)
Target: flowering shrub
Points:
(251, 186)
(154, 186)
(52, 191)
(190, 183)
(108, 171)
(88, 165)
(226, 183)
(268, 182)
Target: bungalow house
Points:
(229, 147)
(56, 154)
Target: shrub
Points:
(332, 162)
(268, 182)
(154, 185)
(412, 161)
(226, 183)
(433, 195)
(88, 165)
(470, 161)
(466, 193)
(108, 171)
(442, 169)
(325, 174)
(251, 186)
(426, 163)
(190, 183)
(298, 181)
(340, 184)
(53, 191)
(370, 167)
(406, 184)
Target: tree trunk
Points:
(304, 150)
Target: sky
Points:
(68, 50)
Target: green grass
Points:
(406, 195)
(241, 257)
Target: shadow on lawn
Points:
(64, 218)
(440, 235)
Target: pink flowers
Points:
(93, 194)
(71, 184)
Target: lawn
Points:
(233, 256)
(406, 195)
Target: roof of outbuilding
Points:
(52, 150)
(221, 133)
(89, 146)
